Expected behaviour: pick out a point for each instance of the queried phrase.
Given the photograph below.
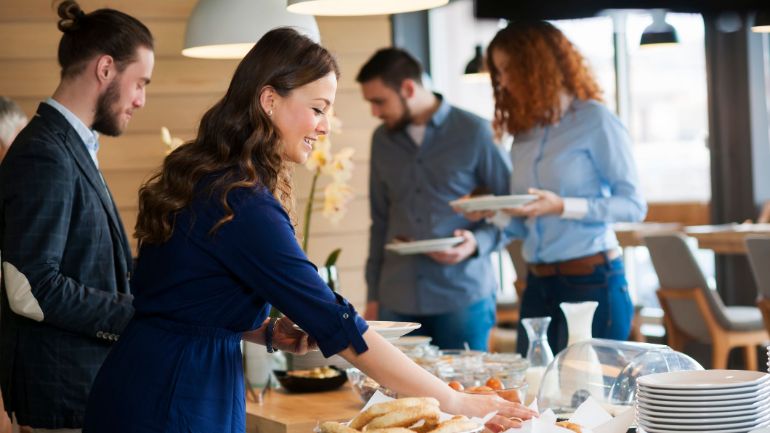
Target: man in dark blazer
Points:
(65, 256)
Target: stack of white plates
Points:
(714, 401)
(768, 359)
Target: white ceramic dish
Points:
(680, 412)
(409, 341)
(392, 330)
(751, 405)
(711, 379)
(388, 330)
(654, 430)
(712, 418)
(756, 394)
(714, 404)
(492, 202)
(747, 425)
(705, 391)
(424, 246)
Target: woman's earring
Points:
(270, 113)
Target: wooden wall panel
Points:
(41, 10)
(39, 40)
(687, 213)
(180, 113)
(182, 90)
(172, 76)
(361, 35)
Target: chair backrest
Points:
(677, 268)
(519, 265)
(764, 307)
(759, 258)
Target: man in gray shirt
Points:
(424, 155)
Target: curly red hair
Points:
(543, 64)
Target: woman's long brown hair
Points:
(543, 65)
(236, 141)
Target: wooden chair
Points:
(764, 214)
(520, 265)
(759, 258)
(692, 311)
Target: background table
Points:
(726, 238)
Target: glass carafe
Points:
(539, 353)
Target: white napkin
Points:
(590, 415)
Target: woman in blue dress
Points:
(575, 156)
(218, 247)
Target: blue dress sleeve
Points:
(259, 247)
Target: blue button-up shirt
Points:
(585, 158)
(89, 136)
(410, 190)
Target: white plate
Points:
(410, 341)
(712, 418)
(718, 404)
(747, 425)
(705, 391)
(712, 379)
(392, 330)
(756, 394)
(492, 202)
(388, 330)
(752, 405)
(650, 430)
(424, 246)
(652, 413)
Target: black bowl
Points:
(309, 384)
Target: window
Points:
(668, 117)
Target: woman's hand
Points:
(509, 414)
(546, 203)
(289, 339)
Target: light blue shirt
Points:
(89, 136)
(410, 190)
(586, 158)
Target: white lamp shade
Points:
(228, 29)
(360, 7)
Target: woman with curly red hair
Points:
(574, 155)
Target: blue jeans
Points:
(451, 330)
(607, 286)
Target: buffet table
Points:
(282, 412)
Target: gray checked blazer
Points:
(64, 296)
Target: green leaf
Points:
(332, 259)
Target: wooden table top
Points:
(283, 412)
(726, 238)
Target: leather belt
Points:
(575, 267)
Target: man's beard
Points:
(106, 121)
(405, 119)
